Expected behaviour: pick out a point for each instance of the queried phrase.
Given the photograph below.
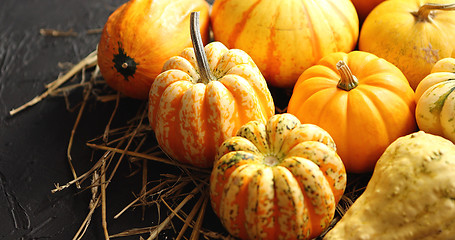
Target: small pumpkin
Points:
(411, 34)
(140, 36)
(435, 97)
(202, 97)
(363, 101)
(285, 37)
(277, 180)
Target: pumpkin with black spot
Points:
(140, 36)
(278, 180)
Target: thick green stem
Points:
(426, 11)
(347, 81)
(198, 45)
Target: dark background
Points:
(33, 143)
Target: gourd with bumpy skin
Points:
(410, 196)
(140, 36)
(279, 180)
(203, 97)
(435, 97)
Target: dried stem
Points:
(103, 200)
(149, 157)
(166, 221)
(88, 61)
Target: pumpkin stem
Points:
(201, 57)
(426, 11)
(347, 81)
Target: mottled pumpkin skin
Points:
(144, 34)
(190, 118)
(364, 120)
(285, 37)
(435, 96)
(392, 32)
(279, 180)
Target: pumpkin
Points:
(363, 101)
(202, 97)
(277, 180)
(435, 111)
(411, 34)
(364, 7)
(411, 194)
(140, 36)
(285, 37)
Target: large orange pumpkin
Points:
(140, 36)
(363, 101)
(277, 180)
(411, 34)
(285, 37)
(203, 97)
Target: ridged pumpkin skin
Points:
(140, 36)
(412, 42)
(279, 180)
(285, 37)
(190, 118)
(362, 121)
(435, 97)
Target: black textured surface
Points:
(33, 143)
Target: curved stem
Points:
(347, 81)
(201, 57)
(425, 11)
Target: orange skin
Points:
(411, 39)
(191, 118)
(147, 33)
(285, 37)
(279, 180)
(364, 120)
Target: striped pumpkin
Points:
(285, 37)
(279, 180)
(194, 107)
(436, 100)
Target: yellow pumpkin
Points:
(435, 111)
(285, 37)
(411, 34)
(277, 180)
(202, 97)
(363, 101)
(140, 36)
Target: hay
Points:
(184, 192)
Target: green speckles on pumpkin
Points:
(437, 106)
(124, 64)
(234, 158)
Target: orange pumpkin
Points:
(285, 37)
(364, 7)
(277, 180)
(411, 34)
(363, 101)
(203, 97)
(140, 36)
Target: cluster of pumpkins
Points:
(361, 78)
